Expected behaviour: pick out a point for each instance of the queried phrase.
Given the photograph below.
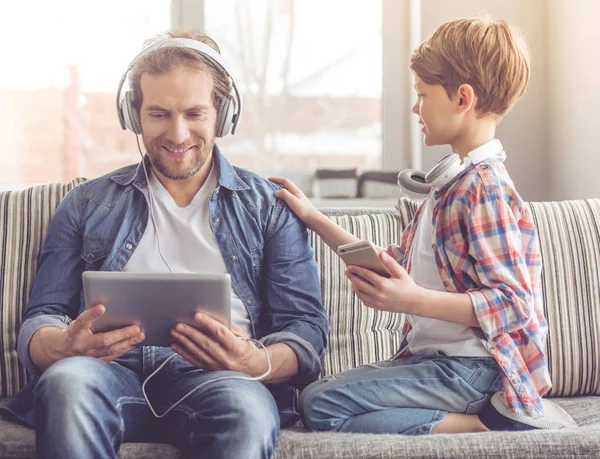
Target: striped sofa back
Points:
(24, 219)
(570, 239)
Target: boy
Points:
(467, 271)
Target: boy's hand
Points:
(297, 201)
(398, 293)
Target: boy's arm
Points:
(504, 244)
(333, 235)
(494, 236)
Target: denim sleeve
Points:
(56, 293)
(294, 313)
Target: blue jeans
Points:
(407, 397)
(86, 408)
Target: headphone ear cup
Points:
(225, 116)
(412, 184)
(130, 114)
(445, 170)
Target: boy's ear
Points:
(466, 98)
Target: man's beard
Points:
(201, 151)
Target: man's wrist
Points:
(49, 345)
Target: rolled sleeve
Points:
(309, 362)
(28, 329)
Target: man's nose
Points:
(179, 130)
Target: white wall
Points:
(574, 95)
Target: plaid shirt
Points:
(486, 246)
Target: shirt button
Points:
(129, 246)
(232, 258)
(91, 257)
(215, 219)
(248, 302)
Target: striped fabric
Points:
(358, 334)
(570, 242)
(24, 218)
(569, 234)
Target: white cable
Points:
(152, 206)
(245, 378)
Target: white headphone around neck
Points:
(228, 114)
(416, 184)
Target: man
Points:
(184, 208)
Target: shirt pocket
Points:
(257, 256)
(94, 251)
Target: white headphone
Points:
(416, 184)
(228, 114)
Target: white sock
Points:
(554, 416)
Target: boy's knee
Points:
(314, 407)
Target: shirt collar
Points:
(485, 151)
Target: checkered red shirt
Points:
(486, 245)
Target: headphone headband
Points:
(206, 51)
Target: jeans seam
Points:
(119, 407)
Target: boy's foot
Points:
(497, 415)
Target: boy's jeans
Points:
(85, 408)
(409, 397)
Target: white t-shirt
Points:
(187, 242)
(429, 336)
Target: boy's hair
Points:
(491, 56)
(163, 60)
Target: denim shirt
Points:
(266, 248)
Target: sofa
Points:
(570, 242)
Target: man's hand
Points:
(398, 293)
(51, 344)
(107, 346)
(210, 345)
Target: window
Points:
(61, 69)
(311, 76)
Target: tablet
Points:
(156, 302)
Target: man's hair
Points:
(169, 58)
(491, 56)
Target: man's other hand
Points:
(210, 345)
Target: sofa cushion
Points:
(17, 441)
(358, 334)
(569, 233)
(24, 218)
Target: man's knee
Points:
(244, 407)
(69, 378)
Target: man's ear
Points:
(465, 98)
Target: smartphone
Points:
(363, 254)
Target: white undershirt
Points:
(429, 336)
(186, 241)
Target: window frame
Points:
(401, 144)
